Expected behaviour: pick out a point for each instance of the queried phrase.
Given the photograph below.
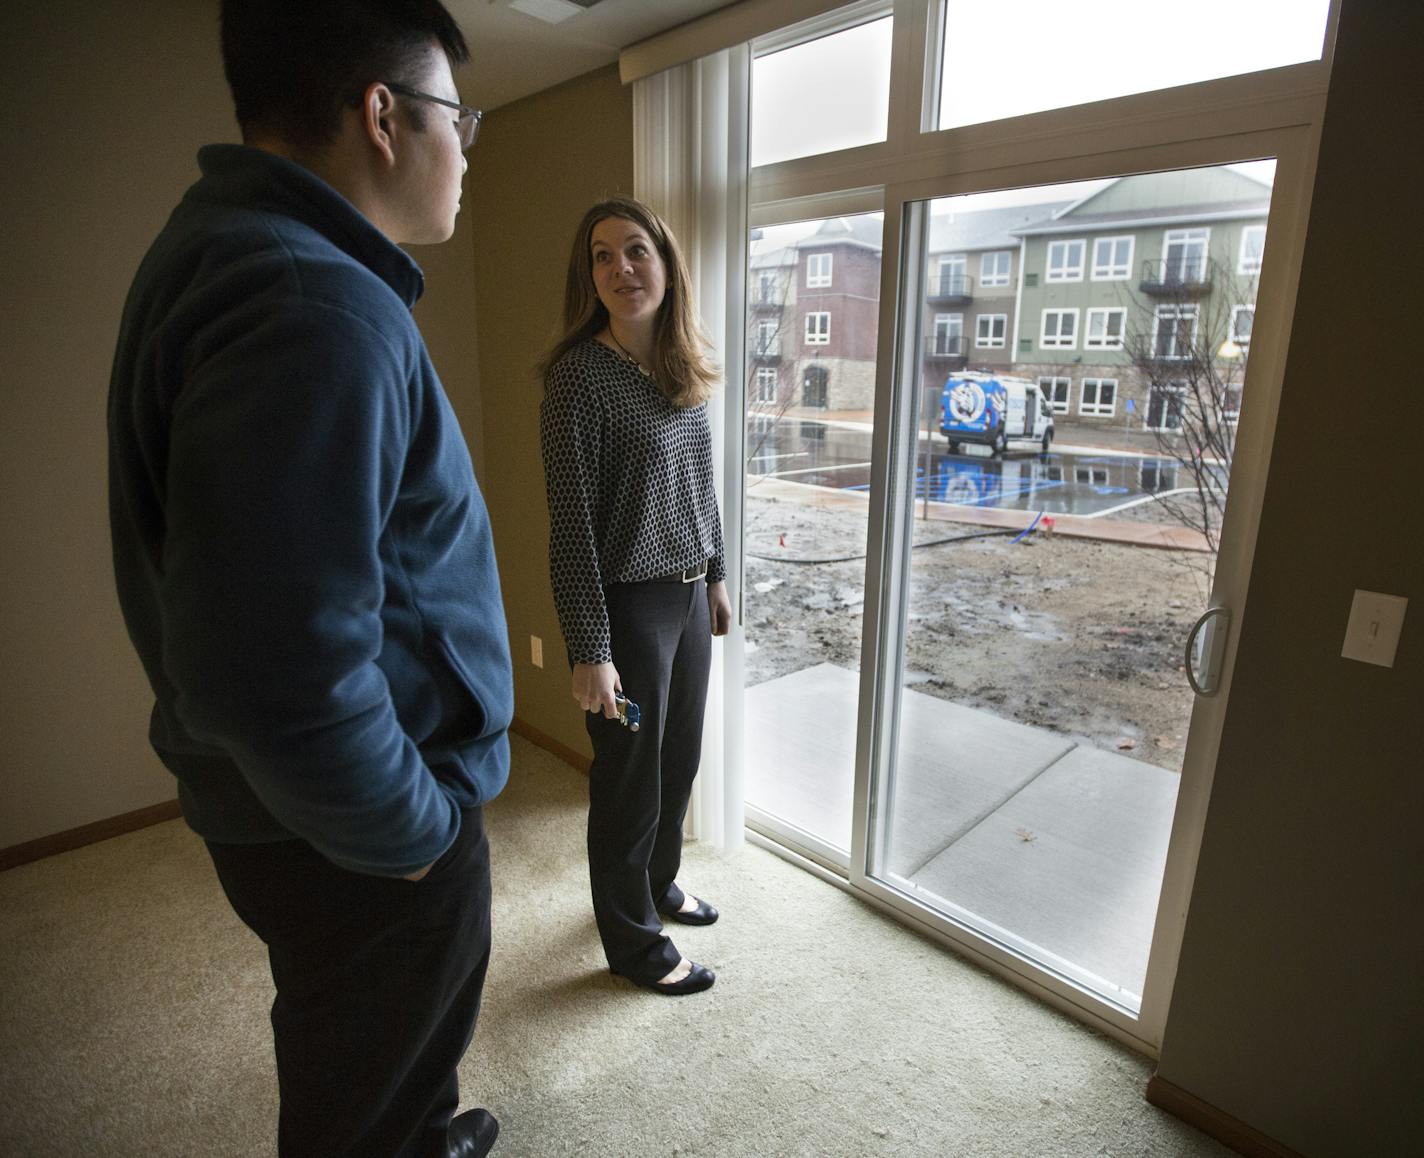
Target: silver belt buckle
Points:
(693, 574)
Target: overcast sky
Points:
(1009, 57)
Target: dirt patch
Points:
(1080, 637)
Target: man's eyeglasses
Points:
(468, 125)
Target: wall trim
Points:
(570, 756)
(1220, 1125)
(18, 854)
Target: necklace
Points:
(628, 356)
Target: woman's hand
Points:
(719, 608)
(594, 685)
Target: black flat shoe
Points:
(472, 1134)
(704, 914)
(699, 979)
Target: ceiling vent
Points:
(552, 11)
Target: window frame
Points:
(762, 376)
(1095, 409)
(1175, 313)
(1073, 273)
(996, 280)
(1053, 381)
(1186, 236)
(1057, 343)
(990, 344)
(1231, 331)
(819, 334)
(819, 280)
(1105, 343)
(1242, 265)
(1114, 271)
(1275, 113)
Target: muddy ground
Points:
(1081, 637)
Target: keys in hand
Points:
(628, 714)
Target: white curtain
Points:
(690, 152)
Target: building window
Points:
(1242, 319)
(951, 280)
(813, 387)
(994, 268)
(1184, 256)
(1174, 332)
(818, 329)
(1056, 391)
(768, 341)
(767, 290)
(1099, 397)
(1253, 249)
(1065, 260)
(948, 339)
(765, 384)
(818, 270)
(1105, 327)
(1112, 258)
(990, 330)
(1060, 330)
(1164, 406)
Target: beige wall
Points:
(1299, 1004)
(105, 106)
(540, 163)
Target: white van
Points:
(994, 410)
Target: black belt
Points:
(686, 575)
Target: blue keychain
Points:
(628, 714)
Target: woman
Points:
(635, 555)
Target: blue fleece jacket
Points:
(302, 555)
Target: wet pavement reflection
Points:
(1067, 482)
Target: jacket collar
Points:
(240, 175)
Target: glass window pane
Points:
(1053, 55)
(810, 412)
(1041, 713)
(827, 94)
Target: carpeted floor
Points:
(134, 1019)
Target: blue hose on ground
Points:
(1027, 529)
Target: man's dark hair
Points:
(293, 65)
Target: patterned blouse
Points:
(629, 479)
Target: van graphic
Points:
(993, 411)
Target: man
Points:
(305, 565)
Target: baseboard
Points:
(570, 756)
(1220, 1125)
(73, 838)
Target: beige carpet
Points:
(134, 1019)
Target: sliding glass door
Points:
(995, 400)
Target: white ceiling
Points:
(513, 54)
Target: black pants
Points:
(640, 782)
(378, 987)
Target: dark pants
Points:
(639, 783)
(378, 987)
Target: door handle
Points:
(1218, 620)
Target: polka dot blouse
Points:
(629, 479)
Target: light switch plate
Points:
(1372, 635)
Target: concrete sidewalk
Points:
(1059, 845)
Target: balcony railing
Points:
(768, 298)
(1176, 277)
(951, 289)
(951, 348)
(767, 350)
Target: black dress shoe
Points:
(699, 979)
(472, 1134)
(704, 914)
